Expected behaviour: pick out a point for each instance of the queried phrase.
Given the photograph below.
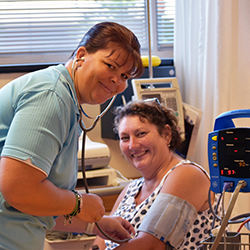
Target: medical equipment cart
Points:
(229, 165)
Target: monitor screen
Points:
(234, 152)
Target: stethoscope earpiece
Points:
(79, 59)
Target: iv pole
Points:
(150, 68)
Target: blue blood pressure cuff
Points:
(169, 219)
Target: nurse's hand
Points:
(115, 227)
(92, 208)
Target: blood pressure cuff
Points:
(169, 219)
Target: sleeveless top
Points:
(128, 210)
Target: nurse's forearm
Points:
(27, 189)
(43, 200)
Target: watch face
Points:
(234, 152)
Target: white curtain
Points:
(212, 60)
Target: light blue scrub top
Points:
(38, 121)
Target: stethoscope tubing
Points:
(85, 130)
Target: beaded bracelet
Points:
(77, 208)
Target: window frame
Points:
(55, 57)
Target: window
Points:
(165, 23)
(48, 31)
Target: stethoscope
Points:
(85, 130)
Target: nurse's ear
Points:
(81, 53)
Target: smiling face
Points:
(142, 144)
(102, 74)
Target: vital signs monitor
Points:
(229, 152)
(166, 90)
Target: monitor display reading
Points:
(234, 152)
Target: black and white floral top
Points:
(128, 210)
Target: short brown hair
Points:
(154, 113)
(103, 34)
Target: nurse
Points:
(39, 131)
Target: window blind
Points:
(34, 26)
(165, 22)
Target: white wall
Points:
(117, 160)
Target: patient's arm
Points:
(99, 241)
(143, 241)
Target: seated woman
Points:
(168, 206)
